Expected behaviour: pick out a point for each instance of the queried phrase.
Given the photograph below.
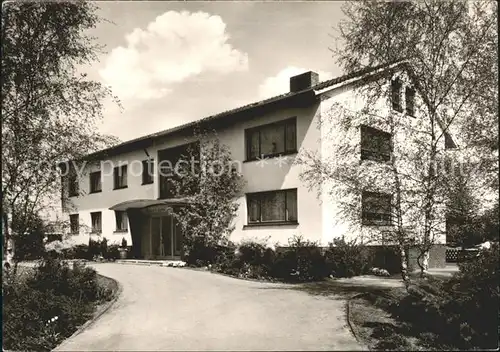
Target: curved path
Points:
(180, 309)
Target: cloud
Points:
(280, 83)
(173, 48)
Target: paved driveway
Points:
(180, 309)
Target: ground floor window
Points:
(96, 222)
(74, 221)
(376, 208)
(121, 221)
(272, 206)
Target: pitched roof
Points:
(366, 72)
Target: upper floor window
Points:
(147, 171)
(410, 101)
(120, 177)
(272, 206)
(271, 139)
(375, 144)
(376, 208)
(121, 221)
(396, 95)
(73, 187)
(96, 219)
(95, 182)
(448, 141)
(173, 163)
(74, 222)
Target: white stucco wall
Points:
(341, 146)
(319, 131)
(267, 178)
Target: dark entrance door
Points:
(166, 237)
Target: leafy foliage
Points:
(208, 219)
(49, 110)
(445, 46)
(301, 261)
(348, 258)
(461, 312)
(48, 306)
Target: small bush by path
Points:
(456, 313)
(49, 303)
(300, 261)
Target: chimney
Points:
(303, 81)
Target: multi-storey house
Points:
(122, 193)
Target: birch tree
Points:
(452, 49)
(49, 108)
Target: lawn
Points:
(380, 330)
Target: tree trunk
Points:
(423, 262)
(404, 266)
(8, 243)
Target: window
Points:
(375, 144)
(396, 95)
(448, 141)
(121, 221)
(95, 182)
(120, 177)
(73, 188)
(272, 139)
(74, 222)
(96, 222)
(376, 208)
(172, 164)
(410, 101)
(147, 171)
(274, 206)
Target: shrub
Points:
(60, 249)
(113, 252)
(49, 305)
(202, 253)
(29, 246)
(103, 247)
(347, 258)
(81, 251)
(301, 261)
(94, 249)
(473, 299)
(251, 252)
(461, 312)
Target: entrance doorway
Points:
(166, 237)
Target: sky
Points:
(171, 63)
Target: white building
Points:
(114, 198)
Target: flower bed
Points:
(49, 303)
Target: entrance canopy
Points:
(144, 203)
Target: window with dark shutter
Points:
(73, 187)
(396, 95)
(375, 144)
(410, 101)
(147, 171)
(376, 209)
(74, 220)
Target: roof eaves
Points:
(356, 76)
(317, 89)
